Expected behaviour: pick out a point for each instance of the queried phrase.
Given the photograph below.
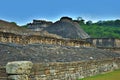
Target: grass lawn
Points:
(115, 75)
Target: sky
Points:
(24, 11)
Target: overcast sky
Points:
(23, 11)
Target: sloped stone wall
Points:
(63, 71)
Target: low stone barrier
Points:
(26, 70)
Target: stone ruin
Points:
(26, 70)
(38, 25)
(67, 28)
(18, 70)
(31, 39)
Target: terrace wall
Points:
(69, 70)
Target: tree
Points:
(80, 20)
(100, 23)
(89, 22)
(117, 22)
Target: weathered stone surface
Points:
(19, 67)
(67, 28)
(38, 25)
(67, 70)
(18, 77)
(74, 70)
(50, 53)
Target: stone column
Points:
(18, 70)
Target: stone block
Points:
(19, 67)
(18, 77)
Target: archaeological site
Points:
(59, 50)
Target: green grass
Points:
(115, 75)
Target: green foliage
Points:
(80, 20)
(24, 26)
(115, 75)
(100, 31)
(113, 23)
(13, 23)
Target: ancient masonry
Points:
(110, 44)
(38, 25)
(30, 39)
(18, 70)
(26, 70)
(104, 42)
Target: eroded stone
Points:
(18, 77)
(19, 67)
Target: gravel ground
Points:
(50, 53)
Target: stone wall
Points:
(30, 39)
(72, 70)
(38, 25)
(110, 44)
(105, 42)
(68, 70)
(3, 74)
(117, 42)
